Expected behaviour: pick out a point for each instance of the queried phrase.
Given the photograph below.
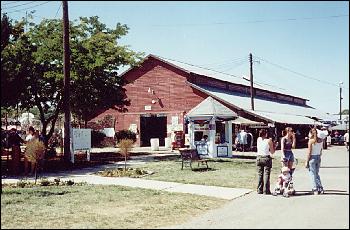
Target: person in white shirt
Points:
(31, 134)
(313, 160)
(346, 138)
(242, 138)
(265, 148)
(27, 164)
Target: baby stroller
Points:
(285, 185)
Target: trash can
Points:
(167, 142)
(154, 144)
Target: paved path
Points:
(330, 210)
(250, 210)
(87, 175)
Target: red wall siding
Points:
(169, 85)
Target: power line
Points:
(28, 7)
(19, 5)
(257, 83)
(58, 9)
(201, 67)
(257, 21)
(297, 73)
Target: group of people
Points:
(14, 141)
(266, 147)
(243, 141)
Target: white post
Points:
(191, 134)
(212, 131)
(228, 134)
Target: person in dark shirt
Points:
(14, 142)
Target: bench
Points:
(188, 156)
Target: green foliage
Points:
(130, 172)
(125, 134)
(22, 183)
(32, 67)
(69, 182)
(44, 182)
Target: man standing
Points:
(243, 139)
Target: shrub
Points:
(125, 146)
(125, 134)
(96, 138)
(35, 152)
(21, 183)
(69, 182)
(57, 181)
(108, 142)
(44, 182)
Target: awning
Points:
(339, 127)
(272, 111)
(245, 121)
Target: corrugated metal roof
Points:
(269, 110)
(222, 76)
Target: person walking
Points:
(265, 149)
(288, 142)
(313, 161)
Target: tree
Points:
(97, 57)
(125, 145)
(345, 112)
(32, 67)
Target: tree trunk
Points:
(35, 172)
(125, 164)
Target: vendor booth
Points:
(210, 128)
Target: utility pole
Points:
(251, 81)
(66, 72)
(340, 98)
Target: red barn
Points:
(161, 91)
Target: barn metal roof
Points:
(273, 111)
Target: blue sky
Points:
(309, 38)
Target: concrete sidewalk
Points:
(88, 175)
(213, 191)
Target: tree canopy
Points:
(32, 67)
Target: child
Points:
(284, 184)
(284, 178)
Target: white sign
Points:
(222, 151)
(201, 127)
(109, 132)
(148, 107)
(81, 139)
(133, 128)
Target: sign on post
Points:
(81, 140)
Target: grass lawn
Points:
(88, 206)
(234, 173)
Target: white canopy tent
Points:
(202, 119)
